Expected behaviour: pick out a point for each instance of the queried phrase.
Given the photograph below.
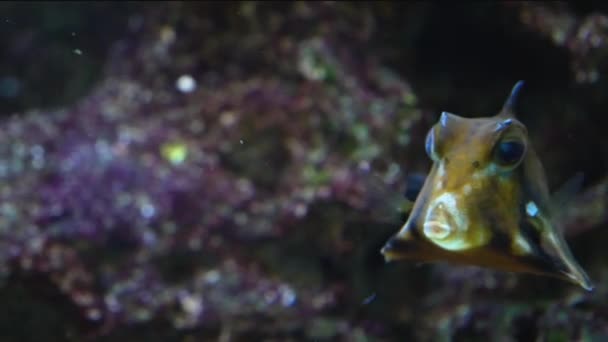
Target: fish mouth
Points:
(436, 229)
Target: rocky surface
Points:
(233, 170)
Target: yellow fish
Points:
(485, 202)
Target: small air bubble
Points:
(241, 141)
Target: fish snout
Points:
(391, 248)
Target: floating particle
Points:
(186, 84)
(78, 52)
(369, 299)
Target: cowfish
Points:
(485, 202)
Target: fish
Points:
(485, 202)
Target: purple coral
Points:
(219, 182)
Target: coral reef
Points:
(232, 176)
(584, 37)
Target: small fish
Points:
(486, 202)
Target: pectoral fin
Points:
(564, 195)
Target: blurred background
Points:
(228, 171)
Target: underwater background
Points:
(228, 171)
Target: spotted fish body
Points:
(485, 202)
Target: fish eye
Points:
(509, 152)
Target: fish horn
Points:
(509, 106)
